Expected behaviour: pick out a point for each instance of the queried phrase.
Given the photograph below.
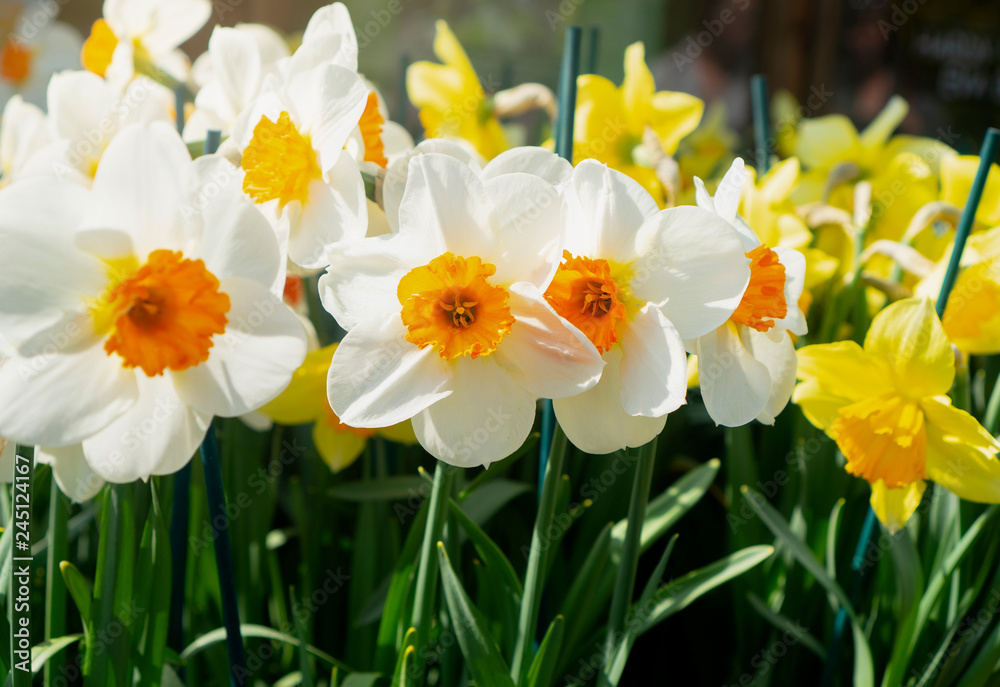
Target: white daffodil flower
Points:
(136, 34)
(297, 171)
(746, 367)
(32, 53)
(637, 280)
(85, 114)
(446, 320)
(139, 308)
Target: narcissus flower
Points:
(885, 406)
(159, 299)
(746, 367)
(137, 35)
(611, 121)
(305, 401)
(637, 281)
(297, 171)
(23, 132)
(451, 101)
(446, 320)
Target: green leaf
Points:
(362, 680)
(80, 590)
(666, 509)
(482, 655)
(218, 635)
(290, 680)
(492, 497)
(864, 671)
(487, 549)
(153, 579)
(41, 653)
(615, 668)
(390, 631)
(788, 625)
(543, 668)
(499, 468)
(407, 658)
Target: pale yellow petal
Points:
(437, 86)
(972, 318)
(843, 369)
(451, 52)
(338, 449)
(880, 129)
(824, 141)
(957, 174)
(600, 121)
(673, 116)
(895, 506)
(401, 433)
(780, 181)
(908, 336)
(961, 454)
(638, 87)
(304, 399)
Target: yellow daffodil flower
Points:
(450, 98)
(957, 173)
(708, 150)
(611, 121)
(885, 406)
(305, 401)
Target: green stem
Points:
(625, 579)
(534, 578)
(427, 568)
(55, 587)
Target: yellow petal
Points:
(673, 116)
(930, 150)
(895, 506)
(337, 449)
(694, 381)
(438, 86)
(401, 433)
(638, 87)
(820, 266)
(824, 141)
(779, 182)
(880, 129)
(304, 399)
(972, 317)
(957, 174)
(961, 454)
(843, 369)
(908, 335)
(451, 52)
(819, 406)
(600, 122)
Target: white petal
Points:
(378, 378)
(543, 352)
(157, 436)
(654, 365)
(43, 276)
(776, 351)
(336, 211)
(446, 203)
(60, 399)
(328, 101)
(702, 197)
(173, 22)
(486, 418)
(329, 37)
(694, 266)
(531, 160)
(79, 103)
(734, 385)
(531, 222)
(140, 185)
(596, 422)
(614, 208)
(253, 361)
(236, 72)
(795, 278)
(727, 195)
(361, 282)
(236, 239)
(71, 471)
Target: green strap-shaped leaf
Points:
(543, 667)
(41, 653)
(482, 655)
(218, 635)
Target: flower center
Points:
(99, 48)
(15, 62)
(331, 419)
(371, 132)
(584, 293)
(280, 162)
(765, 294)
(450, 304)
(883, 438)
(164, 314)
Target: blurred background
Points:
(844, 56)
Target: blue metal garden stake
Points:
(761, 123)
